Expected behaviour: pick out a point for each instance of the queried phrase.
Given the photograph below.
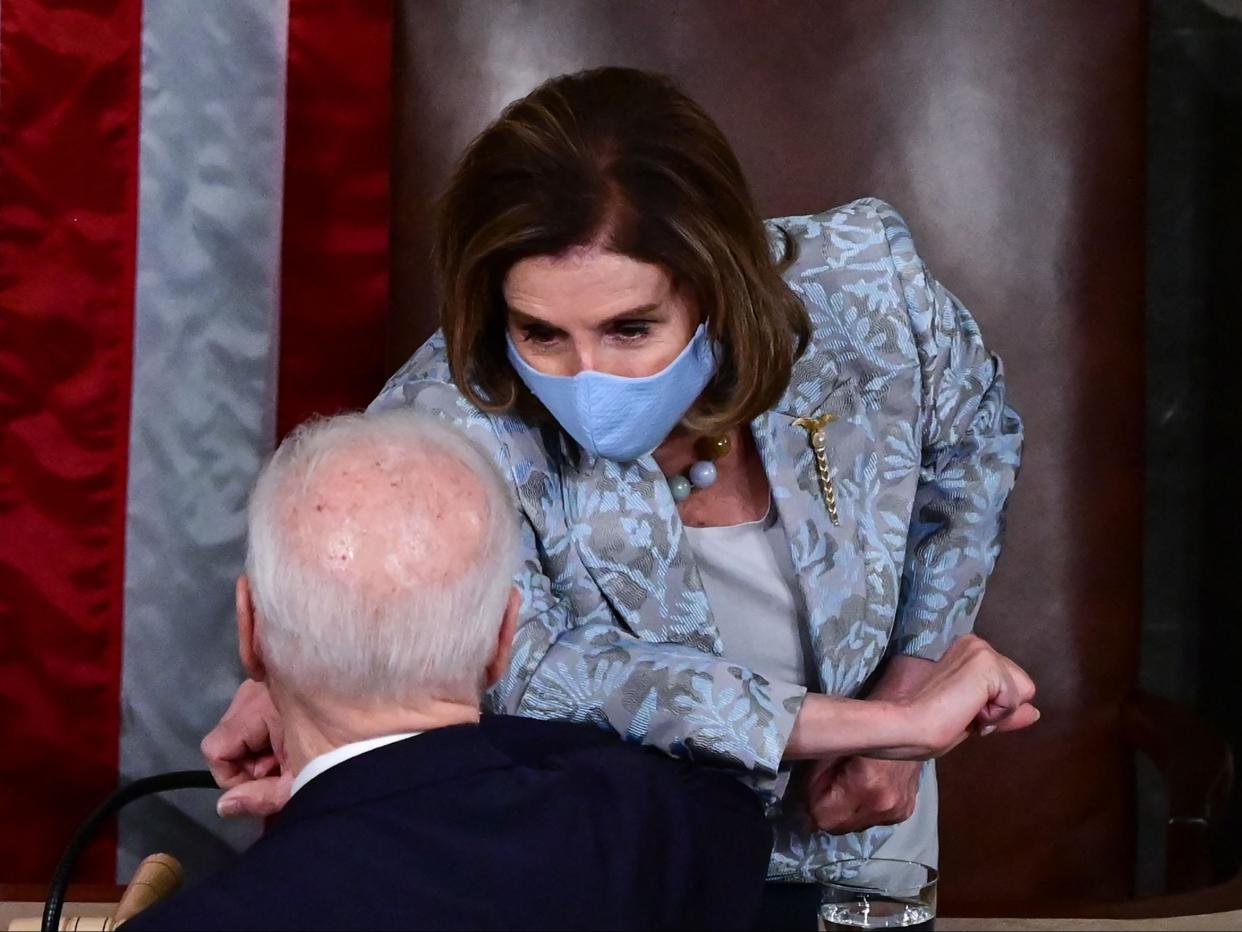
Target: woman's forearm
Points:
(829, 726)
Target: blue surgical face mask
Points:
(622, 418)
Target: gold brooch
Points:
(818, 437)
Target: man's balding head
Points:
(384, 518)
(382, 550)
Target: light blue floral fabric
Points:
(615, 627)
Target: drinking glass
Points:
(877, 893)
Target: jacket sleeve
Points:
(971, 450)
(582, 666)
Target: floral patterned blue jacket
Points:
(615, 627)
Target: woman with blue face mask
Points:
(761, 466)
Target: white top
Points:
(339, 755)
(749, 577)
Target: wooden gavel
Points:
(156, 877)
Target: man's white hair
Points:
(423, 621)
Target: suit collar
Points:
(326, 761)
(432, 757)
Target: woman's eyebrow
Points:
(524, 319)
(641, 311)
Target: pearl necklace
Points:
(702, 474)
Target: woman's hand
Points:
(849, 794)
(245, 752)
(970, 676)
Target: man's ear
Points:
(504, 640)
(248, 644)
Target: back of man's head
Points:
(381, 557)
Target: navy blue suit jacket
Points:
(509, 824)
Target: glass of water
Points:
(877, 893)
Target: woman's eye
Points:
(632, 329)
(541, 336)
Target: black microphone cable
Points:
(122, 796)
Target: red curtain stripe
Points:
(69, 100)
(334, 263)
(69, 122)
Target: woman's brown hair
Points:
(624, 159)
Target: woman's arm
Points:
(695, 705)
(686, 702)
(970, 684)
(972, 447)
(706, 708)
(691, 704)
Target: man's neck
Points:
(312, 730)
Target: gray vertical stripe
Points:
(205, 340)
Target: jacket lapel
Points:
(629, 535)
(830, 560)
